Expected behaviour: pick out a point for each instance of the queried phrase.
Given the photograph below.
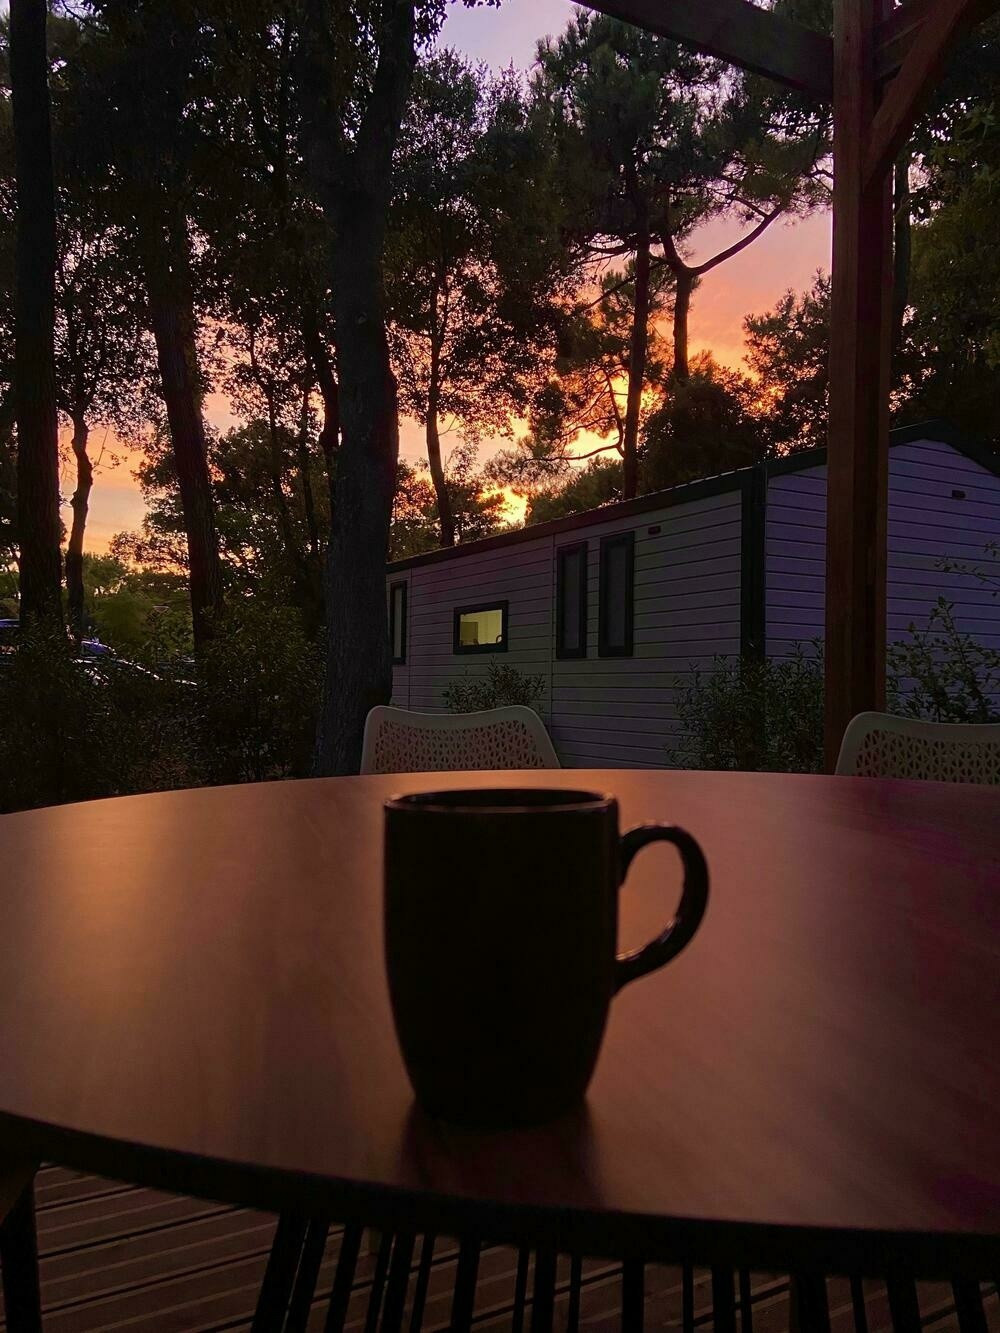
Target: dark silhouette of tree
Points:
(101, 359)
(142, 70)
(353, 96)
(788, 351)
(474, 257)
(39, 529)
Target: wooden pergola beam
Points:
(930, 45)
(899, 31)
(740, 33)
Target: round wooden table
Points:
(192, 996)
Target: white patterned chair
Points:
(398, 741)
(879, 745)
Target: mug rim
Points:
(511, 801)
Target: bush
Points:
(768, 716)
(764, 715)
(73, 731)
(259, 685)
(941, 674)
(501, 686)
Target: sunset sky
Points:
(786, 256)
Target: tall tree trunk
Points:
(638, 344)
(38, 523)
(901, 251)
(319, 357)
(302, 458)
(80, 504)
(446, 520)
(353, 187)
(684, 280)
(358, 669)
(166, 265)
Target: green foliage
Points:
(476, 505)
(501, 686)
(788, 351)
(75, 730)
(259, 692)
(941, 674)
(767, 715)
(599, 483)
(703, 427)
(764, 715)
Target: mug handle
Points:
(694, 900)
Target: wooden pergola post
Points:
(860, 349)
(884, 59)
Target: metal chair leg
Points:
(464, 1298)
(544, 1297)
(398, 1283)
(304, 1290)
(723, 1301)
(423, 1281)
(279, 1276)
(903, 1305)
(347, 1263)
(746, 1301)
(969, 1305)
(575, 1293)
(859, 1305)
(19, 1264)
(378, 1283)
(633, 1296)
(520, 1291)
(687, 1299)
(811, 1303)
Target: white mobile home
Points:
(614, 606)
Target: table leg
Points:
(19, 1255)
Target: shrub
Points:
(259, 687)
(501, 686)
(76, 730)
(768, 715)
(764, 715)
(942, 674)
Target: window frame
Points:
(467, 650)
(608, 544)
(562, 554)
(399, 585)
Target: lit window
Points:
(614, 638)
(571, 601)
(397, 623)
(481, 629)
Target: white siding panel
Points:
(614, 712)
(927, 525)
(621, 712)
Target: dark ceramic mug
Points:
(501, 925)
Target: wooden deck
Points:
(117, 1257)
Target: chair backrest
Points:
(398, 741)
(879, 745)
